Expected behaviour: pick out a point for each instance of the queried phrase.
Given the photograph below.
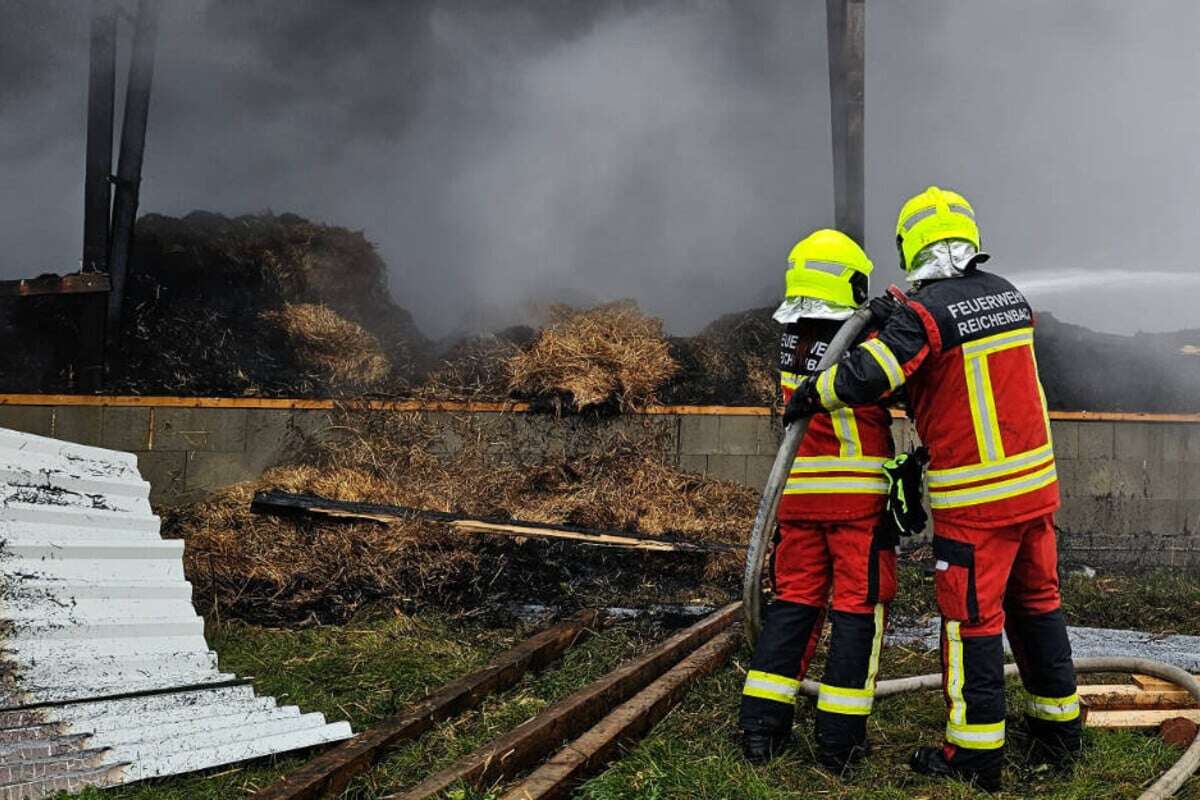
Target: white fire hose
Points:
(763, 532)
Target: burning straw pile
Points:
(260, 304)
(275, 570)
(610, 355)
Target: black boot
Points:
(932, 761)
(759, 747)
(840, 761)
(1055, 744)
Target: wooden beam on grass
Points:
(1127, 696)
(1154, 684)
(330, 772)
(506, 756)
(630, 721)
(1143, 718)
(289, 503)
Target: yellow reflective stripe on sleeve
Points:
(994, 491)
(825, 388)
(988, 736)
(839, 700)
(846, 427)
(1054, 709)
(768, 686)
(998, 469)
(956, 674)
(886, 360)
(790, 380)
(806, 464)
(848, 485)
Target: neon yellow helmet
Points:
(829, 265)
(933, 215)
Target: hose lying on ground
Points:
(1164, 787)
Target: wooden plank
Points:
(330, 772)
(1142, 718)
(1128, 696)
(630, 721)
(75, 283)
(1152, 683)
(280, 502)
(529, 742)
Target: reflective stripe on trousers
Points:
(1053, 709)
(842, 700)
(767, 686)
(977, 736)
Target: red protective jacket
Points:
(838, 471)
(964, 347)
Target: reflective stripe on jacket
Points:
(838, 471)
(964, 349)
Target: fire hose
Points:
(760, 540)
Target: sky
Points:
(504, 153)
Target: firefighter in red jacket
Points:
(826, 538)
(961, 342)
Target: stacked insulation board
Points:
(106, 676)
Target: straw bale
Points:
(334, 350)
(610, 355)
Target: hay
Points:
(731, 362)
(272, 570)
(476, 367)
(202, 290)
(335, 351)
(610, 355)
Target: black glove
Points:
(882, 308)
(903, 514)
(804, 401)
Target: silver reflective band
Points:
(990, 445)
(1068, 710)
(830, 267)
(804, 464)
(772, 686)
(815, 485)
(1015, 463)
(994, 344)
(1036, 480)
(958, 208)
(917, 216)
(975, 734)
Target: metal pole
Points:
(97, 185)
(133, 145)
(846, 27)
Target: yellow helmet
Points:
(829, 265)
(933, 215)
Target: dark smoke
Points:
(502, 152)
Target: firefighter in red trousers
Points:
(961, 342)
(826, 539)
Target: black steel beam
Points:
(846, 28)
(97, 184)
(129, 166)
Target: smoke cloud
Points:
(502, 153)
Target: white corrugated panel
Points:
(105, 677)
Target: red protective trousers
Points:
(990, 581)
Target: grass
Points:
(373, 667)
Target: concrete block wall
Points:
(183, 452)
(1131, 489)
